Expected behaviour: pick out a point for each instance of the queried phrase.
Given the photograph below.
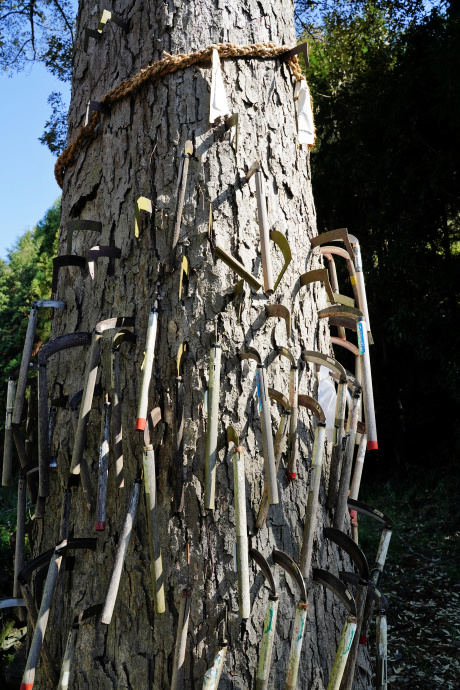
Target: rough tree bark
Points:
(138, 152)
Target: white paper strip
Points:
(218, 105)
(305, 124)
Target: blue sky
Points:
(27, 184)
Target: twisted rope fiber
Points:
(168, 65)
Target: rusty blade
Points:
(282, 559)
(250, 353)
(324, 360)
(279, 397)
(312, 405)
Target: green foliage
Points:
(37, 31)
(26, 277)
(55, 133)
(386, 167)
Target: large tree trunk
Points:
(138, 152)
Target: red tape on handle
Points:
(292, 476)
(140, 424)
(362, 639)
(372, 445)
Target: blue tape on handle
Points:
(361, 337)
(258, 390)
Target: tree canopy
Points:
(386, 167)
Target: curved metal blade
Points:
(372, 591)
(152, 420)
(265, 568)
(280, 240)
(122, 336)
(250, 353)
(284, 352)
(232, 436)
(88, 613)
(321, 275)
(180, 357)
(237, 267)
(99, 251)
(371, 512)
(282, 559)
(281, 312)
(77, 225)
(350, 547)
(312, 405)
(324, 360)
(340, 311)
(323, 577)
(63, 342)
(341, 322)
(115, 322)
(334, 236)
(279, 397)
(346, 344)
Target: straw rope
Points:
(168, 65)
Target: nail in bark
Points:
(156, 564)
(177, 681)
(286, 562)
(147, 367)
(315, 480)
(27, 353)
(266, 425)
(278, 450)
(215, 356)
(103, 470)
(333, 583)
(241, 527)
(8, 443)
(269, 628)
(120, 556)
